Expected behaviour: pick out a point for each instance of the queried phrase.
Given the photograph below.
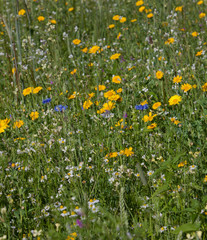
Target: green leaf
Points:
(168, 163)
(189, 210)
(161, 189)
(188, 227)
(193, 185)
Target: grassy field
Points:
(103, 118)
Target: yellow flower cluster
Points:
(106, 107)
(127, 152)
(29, 90)
(4, 124)
(34, 115)
(18, 124)
(87, 104)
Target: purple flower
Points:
(125, 115)
(60, 108)
(46, 100)
(79, 223)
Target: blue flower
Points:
(46, 100)
(145, 107)
(141, 107)
(60, 108)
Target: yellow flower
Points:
(116, 79)
(27, 91)
(36, 90)
(150, 15)
(53, 21)
(152, 126)
(73, 72)
(186, 87)
(202, 15)
(109, 93)
(18, 124)
(71, 9)
(143, 103)
(159, 74)
(182, 164)
(91, 95)
(141, 9)
(116, 17)
(139, 3)
(94, 49)
(84, 50)
(147, 118)
(113, 154)
(156, 105)
(72, 96)
(128, 151)
(122, 20)
(115, 56)
(118, 36)
(111, 26)
(129, 69)
(194, 86)
(87, 104)
(76, 41)
(179, 9)
(74, 234)
(100, 87)
(114, 97)
(199, 53)
(1, 129)
(176, 122)
(119, 90)
(4, 124)
(41, 18)
(134, 20)
(34, 115)
(204, 87)
(21, 12)
(14, 70)
(194, 34)
(177, 79)
(108, 106)
(200, 2)
(170, 41)
(176, 99)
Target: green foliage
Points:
(85, 153)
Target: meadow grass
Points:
(103, 119)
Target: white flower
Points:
(149, 173)
(36, 233)
(111, 180)
(145, 206)
(193, 167)
(62, 208)
(3, 237)
(162, 229)
(64, 214)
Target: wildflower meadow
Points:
(103, 118)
